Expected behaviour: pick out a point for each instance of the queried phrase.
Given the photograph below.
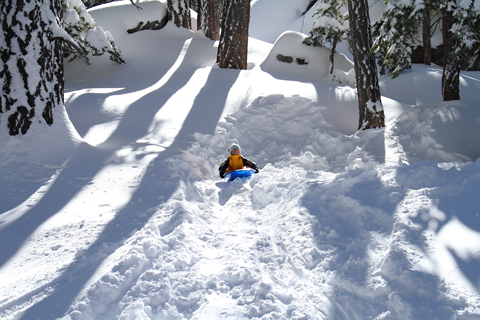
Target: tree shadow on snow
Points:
(459, 205)
(85, 107)
(87, 161)
(349, 212)
(85, 110)
(357, 223)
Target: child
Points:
(235, 161)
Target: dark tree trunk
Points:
(451, 70)
(427, 45)
(209, 18)
(32, 63)
(332, 54)
(199, 14)
(179, 13)
(233, 46)
(369, 98)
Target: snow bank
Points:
(303, 62)
(24, 166)
(128, 16)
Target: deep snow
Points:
(128, 219)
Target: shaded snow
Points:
(338, 224)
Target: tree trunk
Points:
(451, 70)
(233, 46)
(209, 18)
(369, 98)
(332, 54)
(32, 71)
(179, 13)
(200, 12)
(427, 45)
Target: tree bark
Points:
(179, 13)
(427, 45)
(199, 14)
(31, 73)
(451, 70)
(368, 90)
(209, 18)
(233, 46)
(332, 54)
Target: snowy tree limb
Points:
(136, 6)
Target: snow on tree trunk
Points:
(233, 46)
(179, 13)
(209, 18)
(369, 98)
(32, 71)
(451, 70)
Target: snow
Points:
(270, 18)
(116, 211)
(97, 38)
(70, 17)
(313, 67)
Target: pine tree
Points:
(32, 56)
(395, 35)
(461, 40)
(368, 90)
(451, 70)
(32, 48)
(329, 27)
(208, 18)
(199, 14)
(179, 13)
(233, 46)
(88, 38)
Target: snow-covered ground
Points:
(122, 215)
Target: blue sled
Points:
(242, 174)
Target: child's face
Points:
(235, 152)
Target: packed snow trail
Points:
(267, 248)
(206, 250)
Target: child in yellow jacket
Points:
(235, 161)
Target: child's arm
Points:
(249, 163)
(223, 167)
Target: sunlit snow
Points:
(117, 211)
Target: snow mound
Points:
(128, 16)
(291, 58)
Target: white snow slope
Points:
(128, 219)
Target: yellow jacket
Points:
(235, 162)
